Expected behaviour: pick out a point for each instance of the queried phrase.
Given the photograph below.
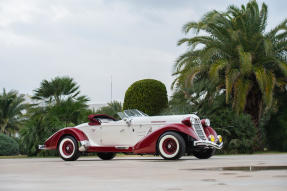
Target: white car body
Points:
(129, 131)
(171, 136)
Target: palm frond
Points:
(216, 67)
(245, 61)
(283, 67)
(241, 89)
(231, 75)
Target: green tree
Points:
(57, 90)
(71, 111)
(233, 51)
(60, 105)
(8, 146)
(12, 107)
(41, 125)
(276, 128)
(237, 130)
(62, 99)
(147, 95)
(111, 109)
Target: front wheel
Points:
(171, 146)
(68, 149)
(204, 153)
(106, 156)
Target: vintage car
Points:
(170, 136)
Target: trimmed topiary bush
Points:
(8, 146)
(147, 95)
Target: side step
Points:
(122, 147)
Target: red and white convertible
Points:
(170, 136)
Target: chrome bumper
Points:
(83, 145)
(42, 147)
(208, 144)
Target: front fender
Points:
(148, 143)
(209, 131)
(52, 142)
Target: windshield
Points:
(131, 113)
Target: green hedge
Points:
(276, 128)
(8, 146)
(147, 95)
(238, 130)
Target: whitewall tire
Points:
(68, 149)
(171, 146)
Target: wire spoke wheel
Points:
(171, 146)
(68, 148)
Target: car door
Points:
(141, 127)
(118, 133)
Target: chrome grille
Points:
(196, 125)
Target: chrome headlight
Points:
(206, 122)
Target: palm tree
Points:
(63, 99)
(37, 129)
(71, 111)
(11, 112)
(234, 53)
(111, 109)
(57, 90)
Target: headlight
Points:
(219, 138)
(211, 138)
(207, 122)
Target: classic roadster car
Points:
(170, 136)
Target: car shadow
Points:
(92, 159)
(138, 159)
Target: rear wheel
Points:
(68, 149)
(204, 153)
(171, 146)
(106, 156)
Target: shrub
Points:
(276, 128)
(36, 131)
(8, 146)
(238, 131)
(147, 95)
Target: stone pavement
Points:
(144, 174)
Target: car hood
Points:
(163, 119)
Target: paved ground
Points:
(143, 173)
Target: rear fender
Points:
(148, 144)
(52, 142)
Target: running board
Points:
(122, 147)
(111, 149)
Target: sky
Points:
(99, 41)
